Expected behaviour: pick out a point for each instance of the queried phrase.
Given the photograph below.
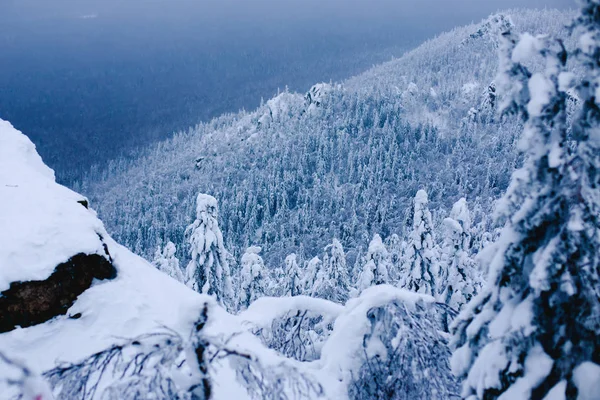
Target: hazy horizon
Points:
(89, 80)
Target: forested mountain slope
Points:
(344, 160)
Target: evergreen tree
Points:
(332, 281)
(536, 326)
(395, 246)
(420, 270)
(460, 277)
(377, 265)
(255, 280)
(208, 270)
(292, 277)
(312, 269)
(166, 262)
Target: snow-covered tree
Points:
(533, 332)
(255, 280)
(208, 270)
(292, 279)
(386, 344)
(377, 265)
(420, 269)
(311, 271)
(166, 262)
(395, 247)
(460, 277)
(333, 282)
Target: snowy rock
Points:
(52, 245)
(317, 95)
(54, 248)
(42, 224)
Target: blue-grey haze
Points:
(90, 80)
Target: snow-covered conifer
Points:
(310, 275)
(395, 247)
(420, 269)
(377, 265)
(333, 282)
(460, 277)
(255, 280)
(292, 279)
(208, 270)
(537, 322)
(166, 262)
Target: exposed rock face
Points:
(30, 303)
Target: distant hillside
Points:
(342, 161)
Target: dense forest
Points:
(342, 161)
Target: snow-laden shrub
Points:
(404, 356)
(296, 327)
(387, 345)
(166, 365)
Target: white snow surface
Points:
(587, 378)
(41, 223)
(341, 354)
(265, 310)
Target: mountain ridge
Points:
(437, 121)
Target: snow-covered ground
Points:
(41, 225)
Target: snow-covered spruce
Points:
(333, 281)
(208, 270)
(536, 325)
(420, 267)
(311, 271)
(377, 265)
(292, 280)
(460, 279)
(396, 248)
(254, 281)
(166, 261)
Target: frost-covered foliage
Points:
(405, 357)
(492, 28)
(385, 345)
(333, 281)
(420, 267)
(460, 279)
(255, 281)
(311, 271)
(296, 327)
(395, 247)
(208, 270)
(348, 171)
(538, 319)
(165, 365)
(166, 261)
(292, 279)
(376, 268)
